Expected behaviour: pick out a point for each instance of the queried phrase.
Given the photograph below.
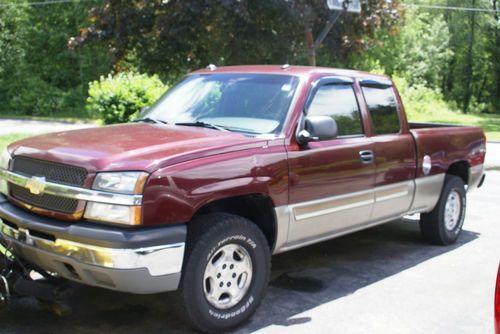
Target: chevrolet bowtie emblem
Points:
(36, 185)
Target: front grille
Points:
(44, 201)
(53, 172)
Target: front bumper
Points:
(141, 261)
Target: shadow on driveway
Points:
(301, 280)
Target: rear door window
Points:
(381, 102)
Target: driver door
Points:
(331, 181)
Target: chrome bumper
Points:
(142, 270)
(135, 260)
(158, 260)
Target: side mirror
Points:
(317, 128)
(143, 111)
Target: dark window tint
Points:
(382, 106)
(338, 102)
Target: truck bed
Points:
(446, 144)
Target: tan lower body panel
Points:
(313, 221)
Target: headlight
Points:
(122, 182)
(4, 159)
(120, 214)
(117, 182)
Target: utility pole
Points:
(337, 7)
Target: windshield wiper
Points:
(149, 120)
(204, 125)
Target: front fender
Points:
(174, 194)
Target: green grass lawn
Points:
(489, 122)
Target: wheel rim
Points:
(227, 277)
(452, 210)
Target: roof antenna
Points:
(211, 67)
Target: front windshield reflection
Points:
(248, 103)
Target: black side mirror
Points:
(317, 128)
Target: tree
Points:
(39, 75)
(174, 36)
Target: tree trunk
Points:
(496, 57)
(469, 72)
(448, 78)
(311, 50)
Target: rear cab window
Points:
(382, 106)
(339, 102)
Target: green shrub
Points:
(120, 98)
(420, 100)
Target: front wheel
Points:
(226, 271)
(443, 224)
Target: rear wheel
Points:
(226, 271)
(443, 224)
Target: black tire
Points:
(433, 225)
(207, 236)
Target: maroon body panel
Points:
(139, 146)
(173, 194)
(193, 166)
(395, 158)
(329, 168)
(447, 145)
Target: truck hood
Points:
(136, 146)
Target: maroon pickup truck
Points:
(230, 166)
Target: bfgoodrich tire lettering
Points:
(442, 226)
(207, 236)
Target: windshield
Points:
(248, 103)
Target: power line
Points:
(465, 9)
(42, 3)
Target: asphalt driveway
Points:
(382, 280)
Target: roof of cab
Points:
(291, 70)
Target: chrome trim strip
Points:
(392, 191)
(73, 192)
(158, 260)
(335, 234)
(392, 196)
(332, 204)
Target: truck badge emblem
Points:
(36, 185)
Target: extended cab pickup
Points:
(230, 166)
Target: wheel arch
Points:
(461, 169)
(256, 207)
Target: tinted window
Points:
(338, 102)
(382, 106)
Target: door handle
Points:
(367, 157)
